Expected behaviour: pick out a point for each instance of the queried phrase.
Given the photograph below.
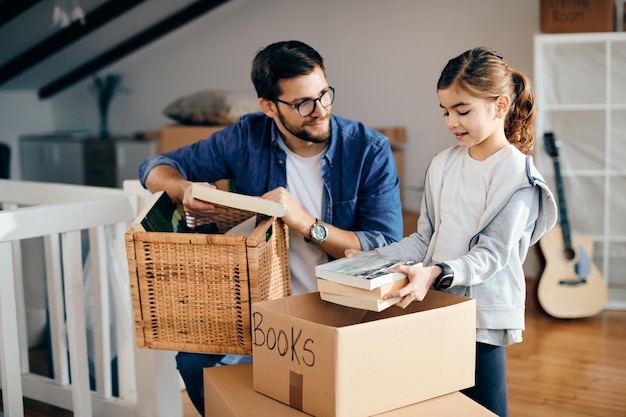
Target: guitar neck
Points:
(567, 239)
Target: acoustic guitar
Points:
(570, 285)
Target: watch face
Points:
(318, 233)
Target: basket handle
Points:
(263, 231)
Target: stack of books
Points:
(361, 281)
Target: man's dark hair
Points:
(280, 60)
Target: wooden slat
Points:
(100, 320)
(9, 367)
(74, 292)
(56, 309)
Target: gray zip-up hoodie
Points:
(520, 208)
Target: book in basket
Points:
(367, 270)
(160, 214)
(204, 192)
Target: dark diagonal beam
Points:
(93, 20)
(163, 27)
(11, 9)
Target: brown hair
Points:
(484, 74)
(280, 60)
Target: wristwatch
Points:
(319, 233)
(444, 280)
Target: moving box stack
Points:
(312, 357)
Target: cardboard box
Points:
(396, 135)
(410, 219)
(177, 136)
(559, 16)
(329, 360)
(228, 392)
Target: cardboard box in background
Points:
(330, 360)
(176, 136)
(410, 219)
(559, 16)
(228, 392)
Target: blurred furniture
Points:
(78, 158)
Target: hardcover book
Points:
(367, 270)
(371, 304)
(331, 287)
(218, 197)
(160, 214)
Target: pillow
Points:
(212, 107)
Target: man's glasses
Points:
(307, 106)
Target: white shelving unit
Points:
(580, 87)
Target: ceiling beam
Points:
(11, 9)
(51, 45)
(165, 26)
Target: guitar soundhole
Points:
(569, 253)
(573, 282)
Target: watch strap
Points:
(445, 278)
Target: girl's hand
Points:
(420, 280)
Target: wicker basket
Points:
(192, 292)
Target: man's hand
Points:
(167, 178)
(295, 217)
(300, 220)
(199, 208)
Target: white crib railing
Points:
(88, 305)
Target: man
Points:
(336, 176)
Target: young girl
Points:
(484, 204)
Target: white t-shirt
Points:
(304, 182)
(463, 203)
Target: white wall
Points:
(22, 112)
(383, 57)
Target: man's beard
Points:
(302, 133)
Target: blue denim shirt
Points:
(361, 185)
